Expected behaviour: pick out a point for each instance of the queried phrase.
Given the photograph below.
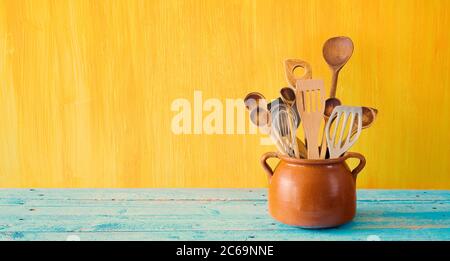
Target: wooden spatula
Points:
(340, 143)
(310, 95)
(291, 65)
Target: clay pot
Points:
(312, 193)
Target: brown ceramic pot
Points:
(312, 193)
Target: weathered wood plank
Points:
(175, 224)
(207, 208)
(136, 194)
(232, 214)
(206, 194)
(42, 201)
(246, 235)
(212, 215)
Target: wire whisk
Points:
(284, 122)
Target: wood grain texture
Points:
(86, 87)
(310, 102)
(208, 214)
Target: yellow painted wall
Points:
(86, 87)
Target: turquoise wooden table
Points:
(208, 214)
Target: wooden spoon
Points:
(330, 104)
(336, 52)
(288, 96)
(368, 117)
(253, 100)
(262, 118)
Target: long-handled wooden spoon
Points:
(288, 97)
(262, 118)
(255, 99)
(330, 104)
(336, 52)
(368, 117)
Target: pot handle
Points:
(362, 162)
(266, 166)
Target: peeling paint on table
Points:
(209, 214)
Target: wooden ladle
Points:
(368, 117)
(261, 117)
(288, 97)
(330, 104)
(336, 52)
(253, 100)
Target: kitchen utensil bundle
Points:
(312, 186)
(304, 102)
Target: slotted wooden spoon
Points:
(310, 101)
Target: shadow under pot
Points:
(312, 193)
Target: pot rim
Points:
(312, 161)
